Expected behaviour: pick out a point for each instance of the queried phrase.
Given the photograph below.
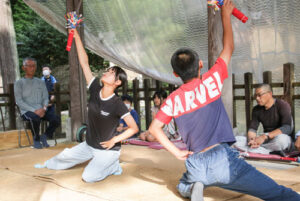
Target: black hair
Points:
(161, 94)
(120, 74)
(127, 97)
(185, 63)
(46, 65)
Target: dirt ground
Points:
(148, 174)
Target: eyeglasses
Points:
(261, 94)
(30, 65)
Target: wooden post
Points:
(147, 102)
(8, 50)
(136, 103)
(12, 107)
(215, 45)
(234, 103)
(248, 80)
(77, 81)
(158, 85)
(58, 131)
(267, 77)
(125, 88)
(171, 88)
(288, 89)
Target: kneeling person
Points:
(102, 146)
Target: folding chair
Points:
(25, 126)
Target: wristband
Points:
(268, 137)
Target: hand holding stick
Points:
(73, 20)
(237, 13)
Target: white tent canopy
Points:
(141, 35)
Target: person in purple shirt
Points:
(204, 126)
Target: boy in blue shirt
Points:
(127, 100)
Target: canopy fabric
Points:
(142, 35)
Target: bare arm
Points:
(132, 129)
(297, 143)
(228, 44)
(156, 130)
(83, 58)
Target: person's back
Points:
(199, 112)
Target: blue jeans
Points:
(221, 166)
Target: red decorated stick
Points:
(70, 40)
(73, 21)
(238, 14)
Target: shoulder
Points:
(133, 112)
(220, 63)
(258, 108)
(35, 79)
(282, 103)
(117, 99)
(19, 81)
(53, 80)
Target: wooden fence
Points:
(145, 92)
(288, 95)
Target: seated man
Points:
(127, 100)
(32, 98)
(275, 116)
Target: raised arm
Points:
(228, 44)
(83, 58)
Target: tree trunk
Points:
(8, 50)
(215, 45)
(77, 83)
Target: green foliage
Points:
(37, 39)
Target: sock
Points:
(40, 165)
(197, 192)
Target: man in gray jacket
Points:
(32, 98)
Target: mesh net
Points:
(142, 35)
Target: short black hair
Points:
(127, 97)
(185, 63)
(46, 65)
(120, 74)
(161, 94)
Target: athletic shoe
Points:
(37, 145)
(44, 140)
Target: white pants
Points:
(281, 142)
(103, 163)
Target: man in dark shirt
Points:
(275, 116)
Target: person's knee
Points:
(91, 178)
(282, 141)
(151, 138)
